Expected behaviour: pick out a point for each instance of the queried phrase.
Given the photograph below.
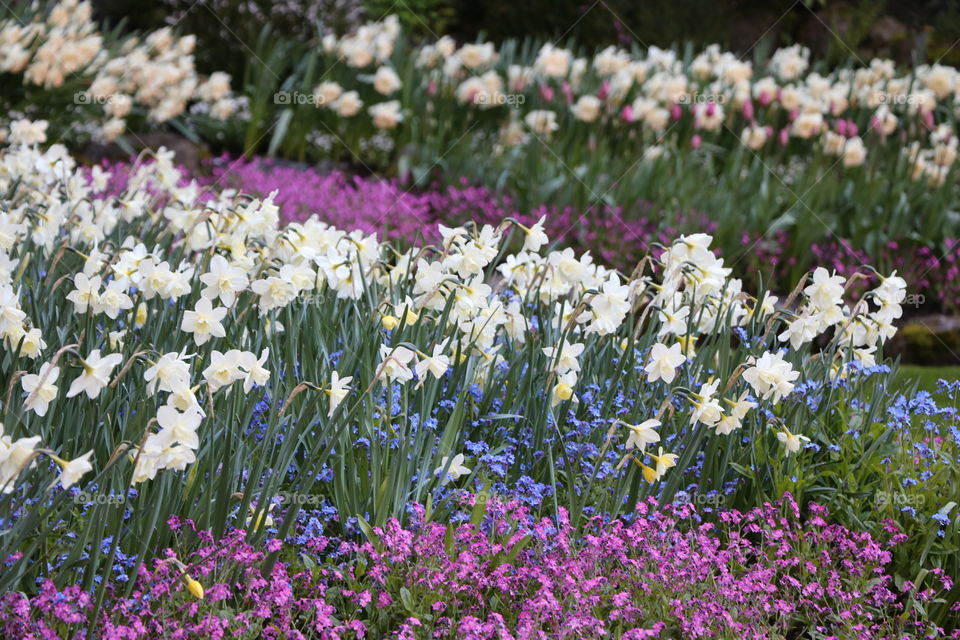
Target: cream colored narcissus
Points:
(204, 322)
(454, 468)
(253, 369)
(640, 435)
(167, 372)
(223, 370)
(338, 391)
(15, 456)
(86, 292)
(394, 366)
(771, 376)
(437, 363)
(791, 442)
(40, 388)
(223, 281)
(71, 471)
(112, 300)
(663, 362)
(95, 375)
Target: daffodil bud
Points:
(649, 473)
(141, 317)
(389, 322)
(194, 587)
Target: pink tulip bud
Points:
(748, 110)
(604, 90)
(432, 88)
(676, 112)
(627, 113)
(695, 142)
(842, 127)
(852, 129)
(567, 91)
(711, 109)
(876, 124)
(546, 92)
(784, 135)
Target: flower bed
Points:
(761, 574)
(172, 351)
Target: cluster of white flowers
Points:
(647, 89)
(46, 51)
(157, 73)
(861, 329)
(476, 292)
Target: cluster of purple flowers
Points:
(758, 574)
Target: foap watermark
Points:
(302, 499)
(86, 98)
(497, 99)
(712, 499)
(915, 300)
(899, 499)
(298, 98)
(86, 499)
(901, 99)
(698, 98)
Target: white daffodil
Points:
(394, 365)
(204, 321)
(255, 372)
(741, 406)
(40, 388)
(706, 408)
(564, 359)
(72, 471)
(826, 290)
(771, 376)
(609, 306)
(642, 434)
(179, 427)
(15, 456)
(223, 370)
(95, 375)
(535, 237)
(112, 300)
(223, 281)
(663, 362)
(339, 389)
(727, 424)
(792, 442)
(455, 470)
(33, 343)
(801, 329)
(86, 292)
(437, 364)
(169, 371)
